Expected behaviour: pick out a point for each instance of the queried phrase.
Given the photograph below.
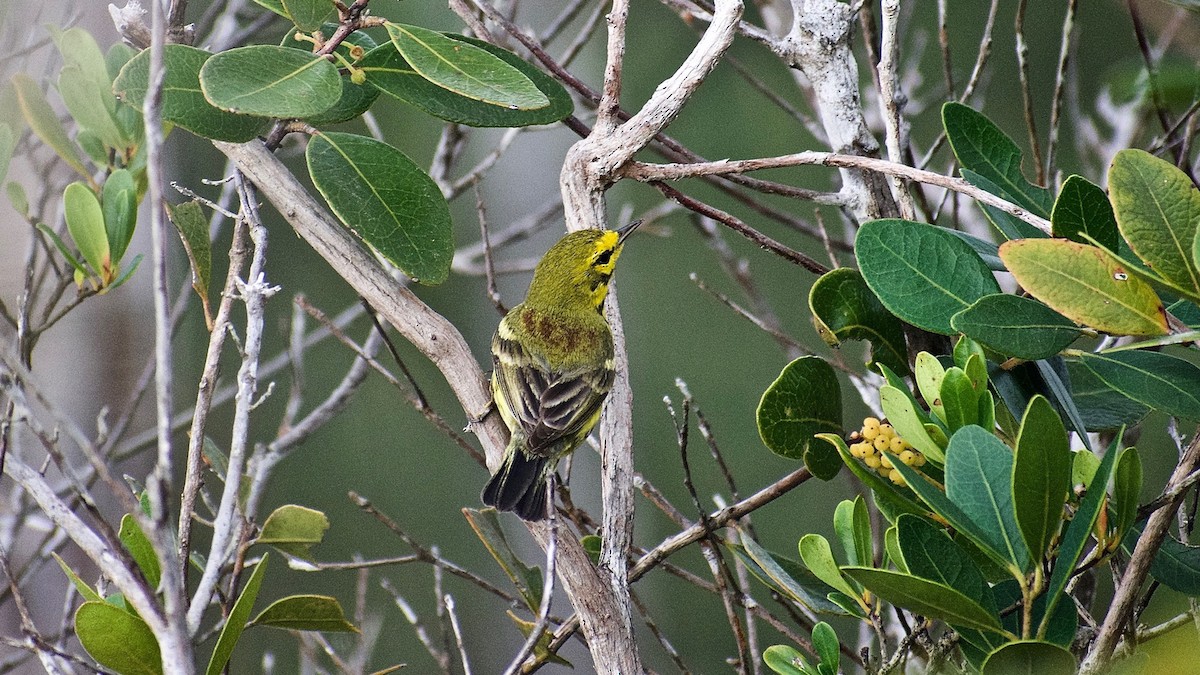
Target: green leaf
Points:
(1158, 210)
(91, 103)
(44, 122)
(887, 496)
(386, 199)
(1010, 226)
(825, 642)
(909, 421)
(89, 594)
(818, 557)
(387, 70)
(1029, 657)
(986, 250)
(853, 527)
(117, 639)
(930, 554)
(1060, 396)
(528, 580)
(1155, 379)
(294, 530)
(119, 203)
(786, 660)
(356, 98)
(139, 547)
(924, 597)
(937, 500)
(921, 273)
(959, 399)
(80, 270)
(1016, 326)
(1085, 285)
(465, 69)
(275, 6)
(803, 401)
(308, 15)
(786, 576)
(541, 647)
(85, 222)
(183, 100)
(306, 612)
(983, 148)
(192, 226)
(235, 623)
(843, 308)
(1082, 207)
(1127, 487)
(928, 373)
(1041, 475)
(979, 471)
(79, 50)
(271, 81)
(1079, 531)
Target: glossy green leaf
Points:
(385, 198)
(909, 421)
(85, 222)
(140, 548)
(117, 639)
(852, 524)
(921, 273)
(294, 530)
(924, 597)
(986, 250)
(119, 202)
(387, 70)
(89, 594)
(1053, 376)
(982, 147)
(270, 81)
(979, 472)
(1010, 226)
(44, 122)
(189, 221)
(1082, 207)
(1029, 657)
(306, 612)
(235, 623)
(1155, 379)
(1016, 326)
(818, 557)
(1158, 210)
(843, 308)
(825, 642)
(1085, 285)
(528, 580)
(959, 399)
(786, 660)
(309, 15)
(803, 401)
(183, 100)
(1041, 475)
(465, 69)
(786, 576)
(1079, 531)
(928, 373)
(887, 496)
(356, 98)
(1127, 488)
(931, 554)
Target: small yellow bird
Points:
(553, 366)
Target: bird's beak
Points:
(627, 230)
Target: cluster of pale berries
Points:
(878, 446)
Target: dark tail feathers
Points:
(519, 486)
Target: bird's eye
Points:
(604, 257)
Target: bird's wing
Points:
(546, 406)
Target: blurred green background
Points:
(384, 450)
